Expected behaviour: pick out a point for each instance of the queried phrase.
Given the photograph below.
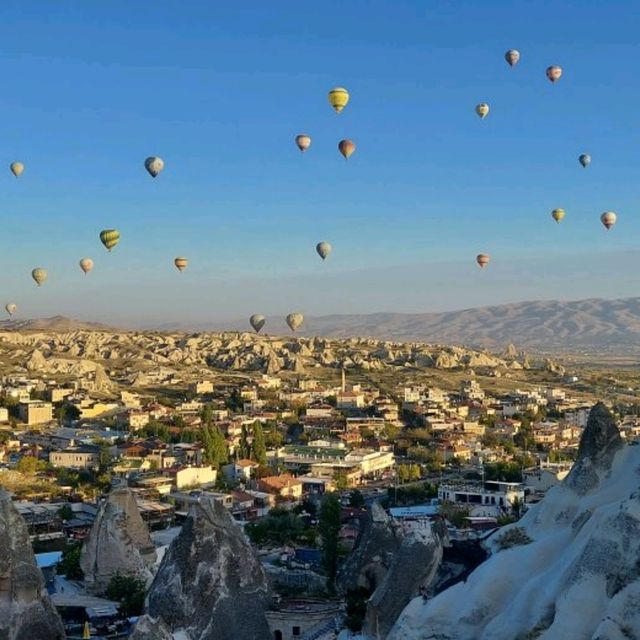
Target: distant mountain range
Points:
(595, 324)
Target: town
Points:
(460, 448)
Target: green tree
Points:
(129, 591)
(65, 512)
(28, 464)
(244, 450)
(104, 459)
(66, 412)
(215, 446)
(258, 446)
(70, 562)
(329, 526)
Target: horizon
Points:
(246, 207)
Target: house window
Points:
(277, 634)
(296, 632)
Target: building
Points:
(137, 419)
(547, 475)
(240, 470)
(202, 386)
(195, 477)
(283, 486)
(35, 412)
(349, 400)
(485, 498)
(80, 458)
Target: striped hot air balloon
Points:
(39, 275)
(110, 238)
(181, 264)
(338, 98)
(558, 214)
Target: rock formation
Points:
(26, 612)
(210, 584)
(119, 542)
(571, 568)
(373, 554)
(412, 571)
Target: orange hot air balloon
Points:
(554, 72)
(346, 148)
(303, 142)
(608, 219)
(483, 260)
(181, 264)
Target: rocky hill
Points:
(97, 353)
(570, 568)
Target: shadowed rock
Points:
(119, 542)
(210, 584)
(26, 613)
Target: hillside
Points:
(54, 324)
(610, 325)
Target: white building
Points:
(478, 496)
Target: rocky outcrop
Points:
(374, 551)
(413, 569)
(119, 542)
(210, 584)
(571, 569)
(26, 612)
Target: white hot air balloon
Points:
(11, 308)
(86, 264)
(295, 320)
(323, 249)
(154, 166)
(257, 322)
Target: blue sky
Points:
(219, 90)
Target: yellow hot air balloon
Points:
(346, 148)
(110, 238)
(16, 168)
(86, 264)
(482, 110)
(558, 214)
(295, 320)
(483, 260)
(608, 219)
(303, 142)
(39, 275)
(181, 264)
(338, 98)
(554, 72)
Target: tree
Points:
(244, 450)
(341, 480)
(65, 512)
(66, 412)
(129, 591)
(28, 464)
(258, 446)
(329, 526)
(104, 459)
(356, 499)
(70, 562)
(215, 446)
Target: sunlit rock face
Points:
(574, 571)
(119, 542)
(210, 584)
(26, 612)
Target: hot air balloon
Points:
(86, 264)
(608, 219)
(303, 142)
(585, 160)
(295, 320)
(39, 275)
(11, 308)
(323, 249)
(482, 110)
(154, 165)
(346, 148)
(16, 168)
(110, 238)
(512, 57)
(181, 264)
(553, 73)
(483, 260)
(338, 98)
(257, 322)
(558, 214)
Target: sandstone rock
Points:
(26, 612)
(119, 542)
(210, 584)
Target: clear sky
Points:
(220, 89)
